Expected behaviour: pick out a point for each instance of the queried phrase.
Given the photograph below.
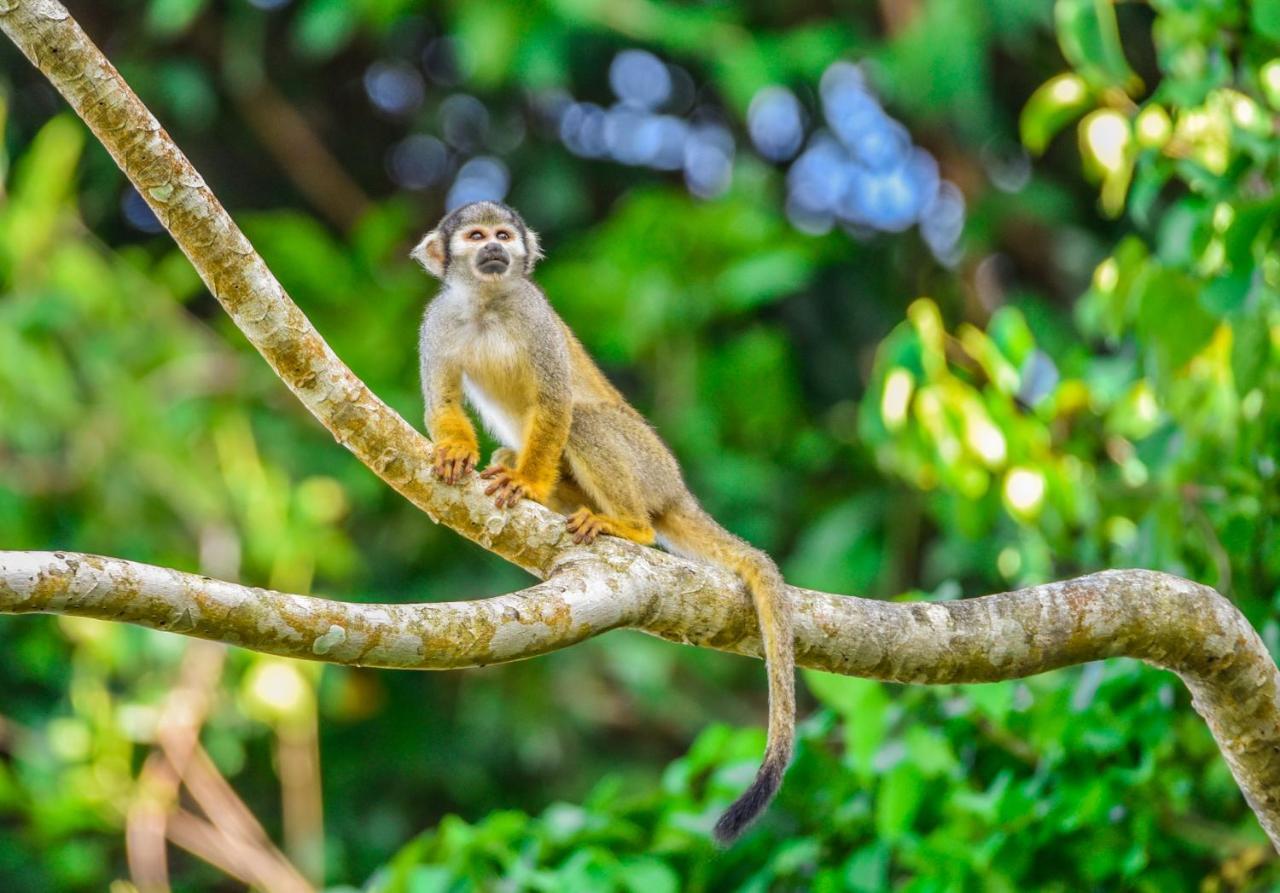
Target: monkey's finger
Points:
(491, 471)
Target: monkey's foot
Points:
(454, 460)
(509, 486)
(586, 525)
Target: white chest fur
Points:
(501, 420)
(489, 369)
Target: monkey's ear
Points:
(533, 250)
(430, 253)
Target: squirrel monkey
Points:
(570, 440)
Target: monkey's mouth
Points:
(492, 261)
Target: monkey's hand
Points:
(455, 459)
(509, 486)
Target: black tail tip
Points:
(747, 808)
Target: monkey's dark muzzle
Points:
(493, 259)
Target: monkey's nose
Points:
(492, 258)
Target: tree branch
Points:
(1161, 619)
(1157, 618)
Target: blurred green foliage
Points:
(1096, 384)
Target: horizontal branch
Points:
(1154, 617)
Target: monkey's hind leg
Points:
(568, 497)
(603, 466)
(586, 525)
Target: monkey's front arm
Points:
(457, 448)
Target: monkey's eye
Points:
(504, 235)
(476, 235)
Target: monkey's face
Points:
(485, 241)
(491, 251)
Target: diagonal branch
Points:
(253, 298)
(1157, 618)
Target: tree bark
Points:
(1158, 618)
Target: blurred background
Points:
(932, 298)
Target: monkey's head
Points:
(484, 241)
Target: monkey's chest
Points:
(498, 385)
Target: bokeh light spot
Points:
(640, 78)
(482, 179)
(775, 122)
(464, 122)
(394, 87)
(1106, 134)
(418, 161)
(1024, 490)
(898, 387)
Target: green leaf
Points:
(1171, 320)
(764, 277)
(898, 800)
(842, 550)
(864, 706)
(1150, 177)
(42, 185)
(188, 92)
(867, 870)
(313, 266)
(1226, 295)
(169, 18)
(1250, 352)
(1184, 231)
(647, 874)
(930, 752)
(937, 67)
(429, 879)
(323, 27)
(1009, 331)
(1090, 39)
(45, 175)
(488, 35)
(1055, 104)
(1264, 16)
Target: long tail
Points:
(689, 531)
